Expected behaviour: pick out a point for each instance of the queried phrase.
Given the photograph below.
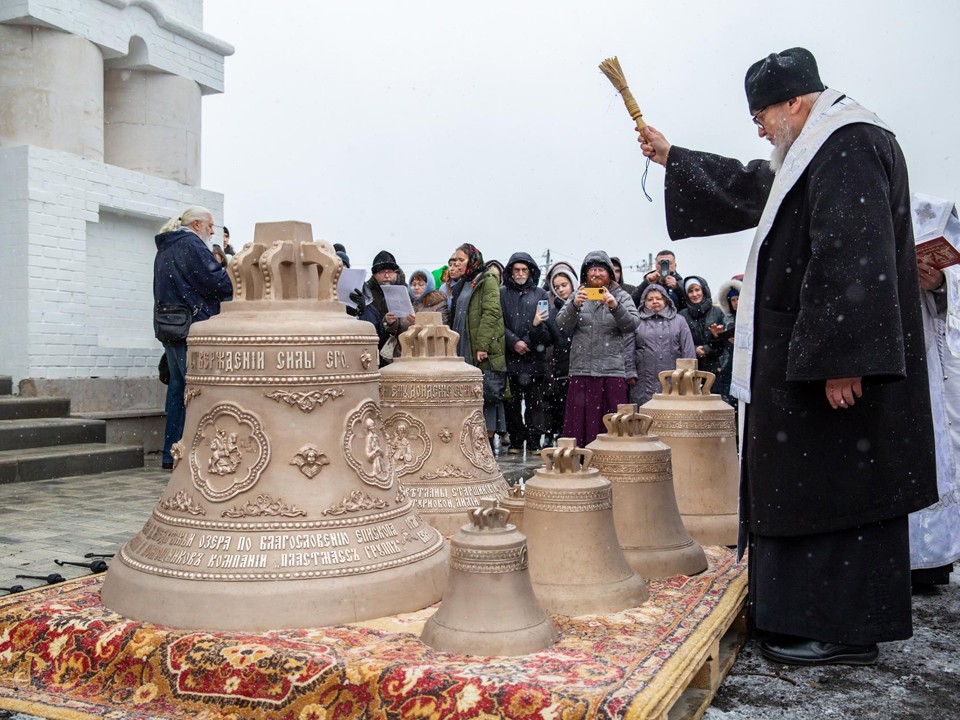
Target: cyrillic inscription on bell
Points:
(433, 404)
(651, 533)
(489, 607)
(576, 563)
(700, 429)
(283, 509)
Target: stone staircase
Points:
(39, 440)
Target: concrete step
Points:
(133, 427)
(42, 432)
(21, 408)
(6, 385)
(43, 463)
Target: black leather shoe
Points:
(167, 465)
(797, 651)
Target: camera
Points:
(664, 268)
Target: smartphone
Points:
(595, 293)
(542, 306)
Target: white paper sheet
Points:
(398, 299)
(350, 279)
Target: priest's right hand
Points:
(654, 145)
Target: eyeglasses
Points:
(757, 119)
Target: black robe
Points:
(837, 295)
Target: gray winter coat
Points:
(602, 339)
(660, 340)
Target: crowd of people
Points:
(561, 348)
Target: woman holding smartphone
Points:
(600, 318)
(527, 335)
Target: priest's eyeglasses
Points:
(758, 120)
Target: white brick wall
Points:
(76, 263)
(171, 30)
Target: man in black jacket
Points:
(664, 273)
(526, 337)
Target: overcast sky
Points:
(415, 126)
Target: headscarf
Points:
(429, 287)
(470, 276)
(474, 261)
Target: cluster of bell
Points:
(489, 607)
(432, 403)
(283, 509)
(652, 535)
(700, 429)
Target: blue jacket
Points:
(186, 273)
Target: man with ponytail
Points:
(185, 273)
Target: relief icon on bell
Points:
(436, 395)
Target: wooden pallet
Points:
(720, 654)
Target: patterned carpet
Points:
(63, 655)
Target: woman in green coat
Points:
(476, 314)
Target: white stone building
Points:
(100, 112)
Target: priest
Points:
(829, 361)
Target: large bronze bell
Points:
(489, 607)
(576, 563)
(283, 509)
(699, 428)
(432, 403)
(652, 535)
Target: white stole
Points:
(826, 116)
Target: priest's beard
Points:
(782, 142)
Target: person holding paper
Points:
(829, 360)
(384, 273)
(424, 294)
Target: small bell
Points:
(514, 502)
(652, 535)
(699, 428)
(576, 563)
(489, 607)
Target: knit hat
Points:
(690, 282)
(344, 257)
(384, 261)
(733, 292)
(781, 76)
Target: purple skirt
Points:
(588, 400)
